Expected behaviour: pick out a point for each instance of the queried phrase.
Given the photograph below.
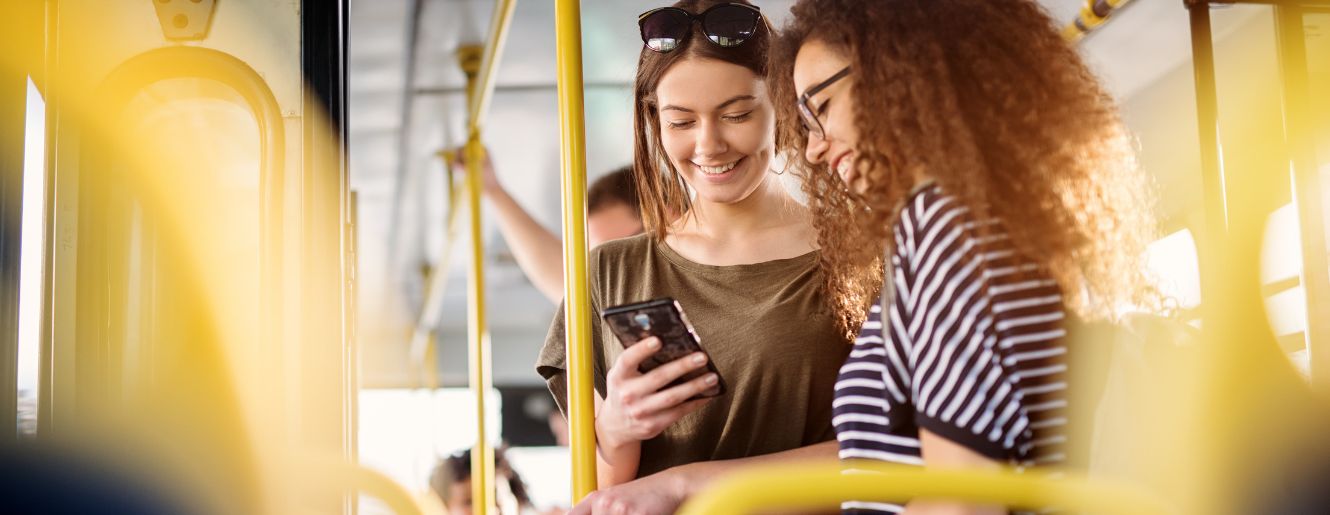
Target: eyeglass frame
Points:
(805, 105)
(694, 19)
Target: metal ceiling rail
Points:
(521, 88)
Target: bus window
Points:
(30, 267)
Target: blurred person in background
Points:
(451, 482)
(612, 213)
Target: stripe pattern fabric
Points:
(971, 349)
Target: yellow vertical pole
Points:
(482, 455)
(577, 300)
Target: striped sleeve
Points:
(982, 330)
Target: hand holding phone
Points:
(645, 394)
(664, 319)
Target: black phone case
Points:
(664, 319)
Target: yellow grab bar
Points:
(480, 69)
(825, 485)
(479, 100)
(1093, 14)
(577, 300)
(482, 456)
(423, 341)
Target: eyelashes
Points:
(738, 117)
(685, 124)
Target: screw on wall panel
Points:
(185, 21)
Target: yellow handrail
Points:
(482, 455)
(1093, 14)
(577, 300)
(480, 66)
(436, 284)
(383, 488)
(335, 472)
(802, 485)
(479, 99)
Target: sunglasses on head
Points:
(727, 25)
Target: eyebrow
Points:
(722, 105)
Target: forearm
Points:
(616, 459)
(538, 251)
(697, 476)
(939, 452)
(616, 462)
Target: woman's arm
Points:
(639, 406)
(538, 251)
(939, 452)
(695, 477)
(616, 461)
(663, 492)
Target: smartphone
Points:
(664, 319)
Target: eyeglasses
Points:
(727, 25)
(812, 123)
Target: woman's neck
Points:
(767, 207)
(769, 224)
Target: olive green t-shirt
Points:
(763, 326)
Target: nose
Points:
(816, 150)
(710, 140)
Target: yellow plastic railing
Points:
(324, 472)
(577, 300)
(807, 486)
(1093, 14)
(480, 66)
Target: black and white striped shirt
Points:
(975, 353)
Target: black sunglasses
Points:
(810, 116)
(727, 25)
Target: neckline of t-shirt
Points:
(665, 251)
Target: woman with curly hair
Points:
(964, 149)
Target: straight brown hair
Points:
(661, 190)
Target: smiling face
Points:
(717, 127)
(834, 106)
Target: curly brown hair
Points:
(661, 190)
(987, 99)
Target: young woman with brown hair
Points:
(964, 148)
(728, 242)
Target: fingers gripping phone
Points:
(664, 319)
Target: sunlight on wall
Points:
(1172, 260)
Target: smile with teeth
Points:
(717, 170)
(843, 166)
